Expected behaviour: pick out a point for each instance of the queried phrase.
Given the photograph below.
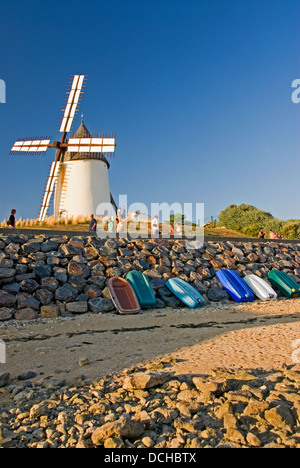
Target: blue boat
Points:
(185, 292)
(235, 286)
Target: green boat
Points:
(284, 283)
(142, 288)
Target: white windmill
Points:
(78, 177)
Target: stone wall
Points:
(48, 276)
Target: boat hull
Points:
(123, 296)
(260, 288)
(185, 292)
(235, 286)
(284, 283)
(142, 288)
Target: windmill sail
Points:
(72, 103)
(91, 145)
(31, 146)
(52, 179)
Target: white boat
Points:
(260, 288)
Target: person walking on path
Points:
(112, 225)
(155, 225)
(11, 222)
(93, 224)
(123, 215)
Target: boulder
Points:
(26, 314)
(6, 314)
(125, 427)
(79, 307)
(4, 379)
(43, 271)
(144, 380)
(7, 300)
(26, 300)
(66, 293)
(101, 305)
(50, 311)
(217, 294)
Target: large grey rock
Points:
(78, 269)
(6, 314)
(49, 246)
(100, 305)
(69, 250)
(7, 272)
(26, 300)
(217, 294)
(44, 296)
(12, 288)
(66, 293)
(50, 311)
(43, 271)
(79, 307)
(4, 379)
(6, 299)
(31, 247)
(49, 283)
(77, 282)
(26, 314)
(171, 301)
(29, 285)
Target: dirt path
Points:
(257, 335)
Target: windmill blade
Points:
(91, 145)
(52, 179)
(74, 96)
(31, 146)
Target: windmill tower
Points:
(78, 177)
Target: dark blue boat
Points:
(235, 286)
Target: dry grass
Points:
(222, 232)
(80, 223)
(52, 223)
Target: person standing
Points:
(123, 215)
(111, 225)
(93, 224)
(178, 230)
(12, 220)
(171, 230)
(155, 225)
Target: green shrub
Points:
(248, 220)
(291, 230)
(243, 217)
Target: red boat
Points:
(123, 296)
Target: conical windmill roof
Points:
(82, 132)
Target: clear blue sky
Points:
(198, 93)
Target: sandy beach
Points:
(250, 336)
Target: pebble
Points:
(110, 413)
